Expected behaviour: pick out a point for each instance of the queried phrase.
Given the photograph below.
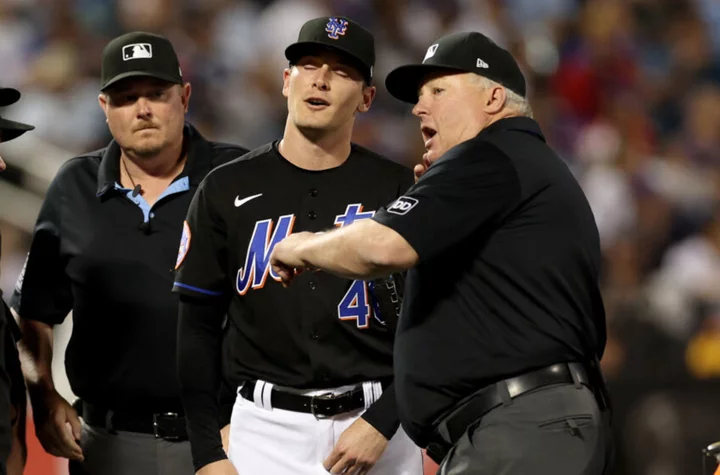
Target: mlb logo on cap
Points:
(155, 53)
(137, 51)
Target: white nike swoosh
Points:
(239, 202)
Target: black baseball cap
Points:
(470, 52)
(337, 34)
(9, 129)
(139, 54)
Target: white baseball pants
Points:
(265, 440)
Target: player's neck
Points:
(319, 151)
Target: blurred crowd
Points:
(628, 91)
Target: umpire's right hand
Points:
(57, 426)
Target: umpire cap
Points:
(336, 34)
(469, 52)
(9, 129)
(139, 54)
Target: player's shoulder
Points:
(374, 158)
(240, 165)
(380, 165)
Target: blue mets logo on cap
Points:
(184, 245)
(335, 27)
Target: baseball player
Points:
(313, 364)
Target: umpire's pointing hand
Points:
(357, 451)
(58, 426)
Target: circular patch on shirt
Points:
(184, 245)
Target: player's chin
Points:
(315, 124)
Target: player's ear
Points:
(368, 94)
(286, 81)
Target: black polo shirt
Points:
(508, 273)
(109, 258)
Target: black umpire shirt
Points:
(109, 257)
(321, 332)
(508, 274)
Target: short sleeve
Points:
(469, 187)
(201, 267)
(43, 290)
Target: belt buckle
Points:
(157, 430)
(313, 405)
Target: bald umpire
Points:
(503, 323)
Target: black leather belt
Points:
(164, 425)
(321, 406)
(451, 426)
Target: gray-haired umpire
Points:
(13, 402)
(502, 326)
(105, 247)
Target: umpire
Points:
(104, 247)
(13, 402)
(497, 348)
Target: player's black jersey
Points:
(323, 330)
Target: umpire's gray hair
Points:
(513, 100)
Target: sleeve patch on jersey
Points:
(402, 205)
(184, 245)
